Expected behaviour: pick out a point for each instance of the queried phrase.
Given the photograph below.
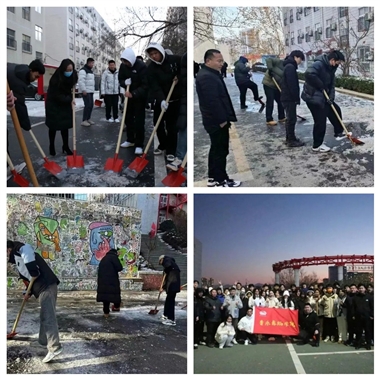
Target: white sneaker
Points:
(246, 342)
(229, 345)
(342, 136)
(127, 144)
(85, 123)
(117, 121)
(163, 317)
(169, 322)
(234, 341)
(157, 152)
(323, 148)
(170, 157)
(175, 165)
(327, 339)
(332, 339)
(211, 182)
(110, 120)
(221, 346)
(195, 346)
(90, 122)
(202, 343)
(51, 355)
(138, 151)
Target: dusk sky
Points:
(242, 235)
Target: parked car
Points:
(32, 92)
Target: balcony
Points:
(27, 47)
(11, 43)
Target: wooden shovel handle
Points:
(22, 143)
(37, 144)
(122, 121)
(184, 161)
(275, 82)
(337, 115)
(74, 126)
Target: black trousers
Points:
(273, 95)
(111, 102)
(88, 101)
(64, 134)
(320, 115)
(246, 335)
(106, 307)
(362, 323)
(135, 121)
(351, 328)
(306, 335)
(170, 305)
(198, 331)
(330, 327)
(167, 130)
(211, 331)
(217, 157)
(291, 119)
(243, 91)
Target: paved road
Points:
(280, 357)
(96, 144)
(129, 342)
(259, 157)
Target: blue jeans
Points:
(181, 144)
(88, 106)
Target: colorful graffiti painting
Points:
(101, 240)
(47, 235)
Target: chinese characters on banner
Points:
(275, 321)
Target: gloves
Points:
(164, 105)
(128, 82)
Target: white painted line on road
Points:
(334, 353)
(35, 125)
(296, 361)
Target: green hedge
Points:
(351, 83)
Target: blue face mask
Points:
(67, 73)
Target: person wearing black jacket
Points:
(243, 81)
(348, 305)
(224, 70)
(133, 73)
(172, 286)
(213, 308)
(309, 326)
(108, 290)
(290, 96)
(363, 310)
(162, 71)
(318, 78)
(199, 316)
(217, 114)
(59, 104)
(31, 265)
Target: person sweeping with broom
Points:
(32, 267)
(172, 286)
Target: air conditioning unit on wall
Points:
(333, 26)
(369, 16)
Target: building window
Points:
(71, 9)
(292, 38)
(318, 32)
(307, 34)
(77, 46)
(363, 20)
(363, 54)
(285, 18)
(11, 39)
(39, 55)
(38, 9)
(11, 9)
(343, 11)
(328, 28)
(71, 28)
(307, 11)
(77, 29)
(316, 9)
(38, 33)
(26, 46)
(26, 13)
(291, 16)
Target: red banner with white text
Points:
(275, 321)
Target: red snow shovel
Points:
(175, 178)
(139, 163)
(115, 164)
(353, 140)
(155, 311)
(17, 178)
(50, 166)
(13, 332)
(74, 161)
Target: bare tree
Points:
(287, 277)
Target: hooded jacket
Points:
(224, 330)
(321, 75)
(86, 81)
(161, 74)
(110, 82)
(290, 88)
(198, 305)
(241, 71)
(213, 315)
(233, 304)
(172, 282)
(138, 74)
(246, 324)
(19, 80)
(328, 301)
(275, 68)
(29, 264)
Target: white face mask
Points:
(229, 323)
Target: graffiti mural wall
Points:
(73, 236)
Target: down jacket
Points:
(224, 330)
(241, 71)
(86, 80)
(110, 83)
(233, 305)
(276, 70)
(329, 303)
(172, 282)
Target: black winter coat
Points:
(241, 71)
(309, 322)
(160, 78)
(319, 77)
(172, 282)
(214, 100)
(19, 80)
(182, 116)
(213, 315)
(108, 278)
(38, 267)
(139, 76)
(290, 88)
(58, 109)
(199, 310)
(362, 305)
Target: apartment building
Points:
(55, 33)
(315, 30)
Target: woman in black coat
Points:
(59, 103)
(108, 282)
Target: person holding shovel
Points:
(108, 290)
(31, 265)
(172, 286)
